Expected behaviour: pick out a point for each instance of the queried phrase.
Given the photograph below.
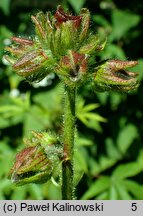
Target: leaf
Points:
(90, 107)
(35, 119)
(90, 119)
(19, 193)
(113, 194)
(122, 191)
(81, 140)
(138, 68)
(94, 116)
(127, 170)
(134, 188)
(77, 5)
(126, 137)
(80, 166)
(100, 185)
(113, 51)
(103, 196)
(123, 21)
(106, 162)
(5, 6)
(10, 110)
(112, 150)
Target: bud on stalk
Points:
(112, 75)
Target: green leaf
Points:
(126, 137)
(81, 140)
(127, 170)
(10, 110)
(77, 5)
(90, 107)
(106, 162)
(138, 68)
(94, 116)
(5, 6)
(112, 150)
(134, 188)
(103, 196)
(113, 51)
(113, 194)
(100, 185)
(35, 119)
(19, 193)
(86, 116)
(80, 166)
(122, 191)
(123, 21)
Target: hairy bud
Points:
(112, 75)
(35, 163)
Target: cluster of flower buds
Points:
(62, 44)
(37, 162)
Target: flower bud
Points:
(31, 166)
(61, 17)
(112, 75)
(35, 163)
(85, 23)
(73, 66)
(93, 45)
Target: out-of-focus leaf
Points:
(5, 6)
(80, 166)
(113, 51)
(81, 140)
(134, 188)
(5, 34)
(19, 193)
(127, 170)
(112, 150)
(100, 185)
(123, 21)
(102, 21)
(103, 196)
(77, 5)
(86, 115)
(106, 162)
(126, 137)
(122, 191)
(10, 110)
(113, 194)
(139, 68)
(36, 119)
(50, 190)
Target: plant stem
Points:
(68, 140)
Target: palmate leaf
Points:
(127, 170)
(123, 194)
(126, 137)
(134, 188)
(86, 114)
(100, 185)
(121, 28)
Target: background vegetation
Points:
(109, 146)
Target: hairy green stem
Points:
(68, 141)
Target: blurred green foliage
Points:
(109, 149)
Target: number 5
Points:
(134, 206)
